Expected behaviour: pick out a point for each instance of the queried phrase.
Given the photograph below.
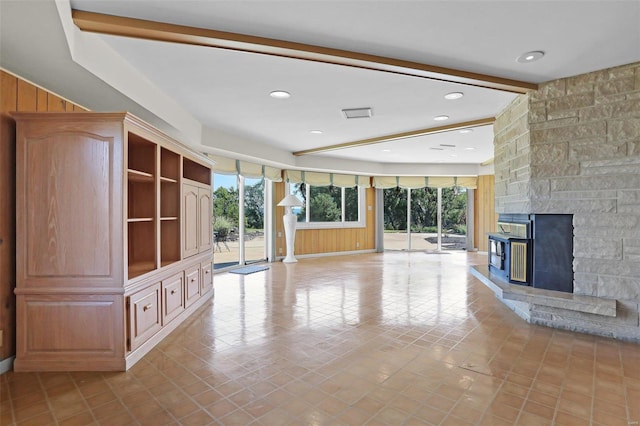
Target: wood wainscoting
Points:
(334, 240)
(485, 219)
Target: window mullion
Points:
(343, 205)
(307, 190)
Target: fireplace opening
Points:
(534, 250)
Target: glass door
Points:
(419, 209)
(454, 218)
(226, 231)
(254, 231)
(395, 219)
(424, 219)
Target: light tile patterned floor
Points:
(376, 339)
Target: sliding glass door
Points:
(254, 220)
(239, 219)
(226, 221)
(411, 219)
(454, 218)
(424, 223)
(395, 219)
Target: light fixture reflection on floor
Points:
(289, 220)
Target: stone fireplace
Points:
(573, 147)
(534, 250)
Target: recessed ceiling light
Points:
(441, 117)
(453, 95)
(453, 155)
(386, 150)
(525, 58)
(315, 132)
(463, 131)
(470, 148)
(280, 94)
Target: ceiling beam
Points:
(159, 31)
(396, 136)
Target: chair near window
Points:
(221, 236)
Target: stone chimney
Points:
(573, 147)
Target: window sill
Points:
(329, 225)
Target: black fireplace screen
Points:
(534, 250)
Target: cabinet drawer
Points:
(172, 297)
(206, 278)
(144, 315)
(192, 285)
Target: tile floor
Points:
(376, 339)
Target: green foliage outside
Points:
(225, 204)
(324, 209)
(325, 203)
(254, 206)
(351, 204)
(226, 207)
(424, 210)
(222, 226)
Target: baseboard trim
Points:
(333, 253)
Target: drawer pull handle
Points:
(206, 272)
(173, 292)
(147, 307)
(193, 279)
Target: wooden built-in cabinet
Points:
(172, 297)
(114, 239)
(192, 283)
(197, 212)
(206, 282)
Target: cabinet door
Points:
(206, 278)
(192, 285)
(205, 209)
(172, 297)
(189, 220)
(144, 315)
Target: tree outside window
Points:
(327, 203)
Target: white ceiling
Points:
(227, 91)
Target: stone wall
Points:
(512, 158)
(583, 148)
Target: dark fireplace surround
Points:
(533, 250)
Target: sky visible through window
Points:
(226, 181)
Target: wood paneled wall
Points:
(15, 95)
(485, 219)
(318, 241)
(19, 95)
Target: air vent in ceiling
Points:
(357, 113)
(437, 149)
(446, 145)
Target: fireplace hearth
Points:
(534, 250)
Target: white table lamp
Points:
(289, 219)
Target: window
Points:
(329, 206)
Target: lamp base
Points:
(289, 259)
(289, 221)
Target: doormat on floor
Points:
(249, 270)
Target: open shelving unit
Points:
(169, 207)
(111, 279)
(141, 205)
(196, 172)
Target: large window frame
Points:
(360, 223)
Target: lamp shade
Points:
(290, 201)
